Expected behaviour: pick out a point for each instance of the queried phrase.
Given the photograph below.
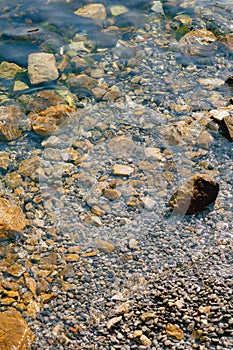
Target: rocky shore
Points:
(116, 185)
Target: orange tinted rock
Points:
(28, 166)
(14, 331)
(12, 218)
(198, 42)
(173, 330)
(47, 121)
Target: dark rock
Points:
(193, 197)
(229, 80)
(227, 127)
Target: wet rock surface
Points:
(12, 218)
(42, 67)
(14, 331)
(90, 161)
(199, 191)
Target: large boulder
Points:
(194, 196)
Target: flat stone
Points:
(147, 316)
(16, 270)
(205, 139)
(111, 194)
(42, 67)
(12, 218)
(121, 146)
(194, 196)
(94, 11)
(213, 82)
(198, 42)
(148, 203)
(13, 180)
(9, 70)
(81, 80)
(104, 246)
(123, 170)
(153, 152)
(137, 333)
(14, 331)
(117, 10)
(219, 114)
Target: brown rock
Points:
(173, 330)
(43, 100)
(227, 127)
(104, 246)
(42, 67)
(112, 95)
(198, 42)
(47, 121)
(14, 331)
(10, 117)
(205, 139)
(28, 166)
(82, 80)
(193, 197)
(111, 194)
(12, 218)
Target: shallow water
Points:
(159, 86)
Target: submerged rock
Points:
(4, 160)
(9, 70)
(12, 218)
(199, 42)
(14, 331)
(42, 67)
(47, 121)
(94, 11)
(10, 119)
(194, 196)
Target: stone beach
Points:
(116, 177)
